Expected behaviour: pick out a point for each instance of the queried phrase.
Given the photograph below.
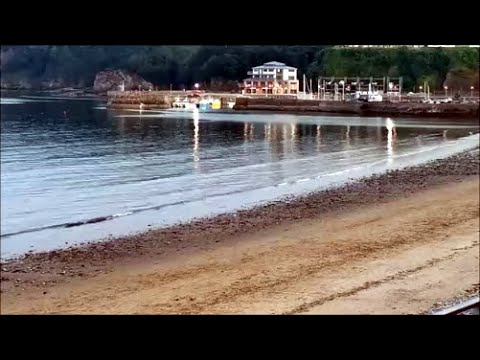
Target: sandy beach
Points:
(397, 243)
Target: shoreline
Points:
(407, 255)
(62, 93)
(48, 268)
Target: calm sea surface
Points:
(66, 161)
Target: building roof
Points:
(274, 64)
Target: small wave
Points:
(12, 101)
(68, 224)
(123, 214)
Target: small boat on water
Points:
(184, 103)
(189, 102)
(197, 100)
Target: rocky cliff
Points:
(113, 80)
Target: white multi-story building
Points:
(271, 78)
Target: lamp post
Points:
(197, 85)
(446, 91)
(471, 91)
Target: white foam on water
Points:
(12, 101)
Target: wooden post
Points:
(388, 87)
(400, 88)
(318, 88)
(304, 86)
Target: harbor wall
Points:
(133, 99)
(358, 108)
(158, 99)
(165, 99)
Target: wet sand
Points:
(407, 230)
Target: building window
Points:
(291, 78)
(293, 91)
(292, 70)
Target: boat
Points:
(185, 103)
(204, 105)
(196, 100)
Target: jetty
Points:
(404, 108)
(149, 100)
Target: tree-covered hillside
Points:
(45, 66)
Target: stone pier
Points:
(158, 99)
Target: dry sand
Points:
(400, 256)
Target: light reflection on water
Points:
(163, 167)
